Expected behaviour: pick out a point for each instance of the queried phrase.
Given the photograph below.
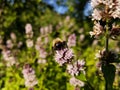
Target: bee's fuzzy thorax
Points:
(59, 44)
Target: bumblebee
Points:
(59, 44)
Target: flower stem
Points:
(107, 37)
(107, 86)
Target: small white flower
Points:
(28, 28)
(113, 8)
(19, 44)
(97, 55)
(116, 13)
(42, 53)
(82, 37)
(46, 30)
(9, 43)
(29, 43)
(96, 14)
(42, 61)
(97, 30)
(72, 40)
(94, 3)
(13, 36)
(11, 61)
(76, 82)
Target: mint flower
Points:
(104, 9)
(29, 76)
(97, 30)
(63, 56)
(76, 82)
(9, 58)
(71, 40)
(28, 30)
(75, 68)
(29, 43)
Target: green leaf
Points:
(109, 75)
(81, 76)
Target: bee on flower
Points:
(62, 53)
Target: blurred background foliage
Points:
(75, 18)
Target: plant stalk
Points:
(107, 37)
(107, 86)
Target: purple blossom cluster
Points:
(9, 57)
(46, 30)
(71, 40)
(29, 35)
(97, 30)
(29, 76)
(64, 55)
(75, 68)
(42, 54)
(28, 30)
(10, 49)
(104, 11)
